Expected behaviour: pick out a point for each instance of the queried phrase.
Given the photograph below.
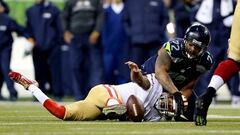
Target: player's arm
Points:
(137, 76)
(162, 67)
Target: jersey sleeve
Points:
(205, 63)
(148, 66)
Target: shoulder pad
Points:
(206, 60)
(174, 48)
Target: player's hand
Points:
(179, 104)
(68, 37)
(201, 107)
(28, 46)
(136, 73)
(133, 66)
(93, 38)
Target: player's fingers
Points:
(131, 64)
(128, 62)
(136, 70)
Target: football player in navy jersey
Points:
(180, 62)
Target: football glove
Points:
(179, 103)
(28, 46)
(201, 107)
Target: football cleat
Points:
(200, 115)
(201, 107)
(22, 80)
(114, 110)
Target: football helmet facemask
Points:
(166, 105)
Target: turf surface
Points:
(27, 118)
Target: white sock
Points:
(216, 82)
(41, 97)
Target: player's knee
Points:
(227, 69)
(236, 63)
(97, 87)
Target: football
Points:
(135, 109)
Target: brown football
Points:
(135, 109)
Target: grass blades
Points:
(28, 118)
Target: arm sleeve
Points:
(126, 19)
(29, 28)
(58, 25)
(66, 16)
(100, 18)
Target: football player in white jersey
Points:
(102, 98)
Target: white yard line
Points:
(156, 132)
(225, 106)
(223, 117)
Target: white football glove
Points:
(28, 46)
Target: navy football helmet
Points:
(198, 35)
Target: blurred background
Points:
(176, 17)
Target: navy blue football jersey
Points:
(183, 70)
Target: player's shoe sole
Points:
(200, 121)
(22, 80)
(200, 113)
(118, 109)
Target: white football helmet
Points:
(166, 105)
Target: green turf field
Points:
(27, 118)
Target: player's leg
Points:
(88, 109)
(108, 99)
(53, 107)
(223, 73)
(82, 110)
(101, 99)
(234, 49)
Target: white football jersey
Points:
(148, 97)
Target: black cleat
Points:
(200, 115)
(201, 107)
